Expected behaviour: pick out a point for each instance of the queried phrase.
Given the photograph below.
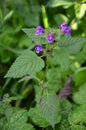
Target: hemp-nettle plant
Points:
(46, 62)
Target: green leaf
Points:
(16, 116)
(80, 10)
(53, 83)
(53, 87)
(80, 76)
(13, 118)
(65, 108)
(56, 3)
(27, 63)
(78, 127)
(37, 118)
(61, 57)
(37, 39)
(80, 96)
(49, 108)
(71, 44)
(60, 18)
(27, 127)
(64, 125)
(8, 15)
(78, 115)
(53, 76)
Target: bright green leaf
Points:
(8, 15)
(80, 10)
(56, 3)
(80, 76)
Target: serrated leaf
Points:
(49, 108)
(78, 127)
(61, 57)
(27, 127)
(53, 83)
(78, 115)
(52, 75)
(65, 107)
(64, 125)
(72, 44)
(53, 87)
(37, 39)
(80, 96)
(17, 116)
(14, 118)
(37, 118)
(80, 76)
(56, 3)
(26, 64)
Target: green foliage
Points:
(26, 64)
(13, 118)
(55, 3)
(38, 118)
(61, 59)
(78, 127)
(72, 44)
(54, 85)
(80, 96)
(42, 75)
(49, 108)
(80, 10)
(78, 115)
(80, 76)
(37, 39)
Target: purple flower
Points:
(39, 30)
(50, 38)
(65, 29)
(38, 48)
(63, 26)
(1, 99)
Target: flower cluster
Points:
(50, 37)
(65, 29)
